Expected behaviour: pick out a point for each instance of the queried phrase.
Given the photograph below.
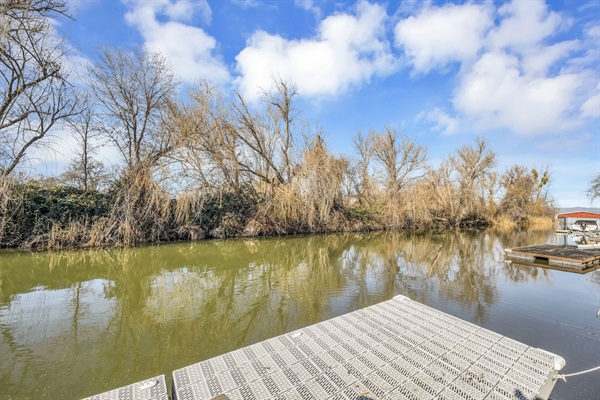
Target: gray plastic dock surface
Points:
(149, 389)
(398, 349)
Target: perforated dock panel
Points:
(150, 389)
(398, 349)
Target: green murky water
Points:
(74, 324)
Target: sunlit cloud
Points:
(437, 36)
(348, 50)
(524, 25)
(495, 93)
(309, 5)
(188, 48)
(441, 121)
(513, 74)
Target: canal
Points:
(77, 323)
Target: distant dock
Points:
(567, 258)
(397, 349)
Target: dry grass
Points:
(74, 235)
(11, 201)
(540, 223)
(141, 210)
(185, 205)
(503, 223)
(311, 202)
(5, 200)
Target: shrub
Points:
(38, 211)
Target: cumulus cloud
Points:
(496, 94)
(308, 5)
(189, 49)
(539, 61)
(524, 24)
(441, 120)
(514, 73)
(440, 35)
(591, 107)
(349, 49)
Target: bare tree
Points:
(208, 156)
(268, 151)
(257, 158)
(541, 181)
(472, 165)
(525, 193)
(364, 186)
(282, 117)
(35, 94)
(444, 193)
(84, 171)
(238, 146)
(133, 89)
(594, 188)
(401, 158)
(92, 177)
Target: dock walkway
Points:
(397, 349)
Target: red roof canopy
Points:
(579, 214)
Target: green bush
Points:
(39, 209)
(223, 215)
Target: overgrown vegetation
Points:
(209, 167)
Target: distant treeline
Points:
(213, 167)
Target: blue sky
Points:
(524, 74)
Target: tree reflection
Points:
(453, 266)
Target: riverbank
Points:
(61, 217)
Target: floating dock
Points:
(149, 389)
(398, 349)
(567, 258)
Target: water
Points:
(74, 324)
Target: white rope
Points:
(564, 376)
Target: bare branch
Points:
(35, 94)
(402, 159)
(134, 89)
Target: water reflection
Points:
(78, 323)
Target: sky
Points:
(523, 74)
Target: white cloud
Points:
(348, 50)
(441, 121)
(246, 3)
(308, 5)
(438, 36)
(514, 74)
(539, 61)
(76, 66)
(188, 48)
(183, 10)
(573, 142)
(524, 25)
(591, 107)
(590, 44)
(495, 94)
